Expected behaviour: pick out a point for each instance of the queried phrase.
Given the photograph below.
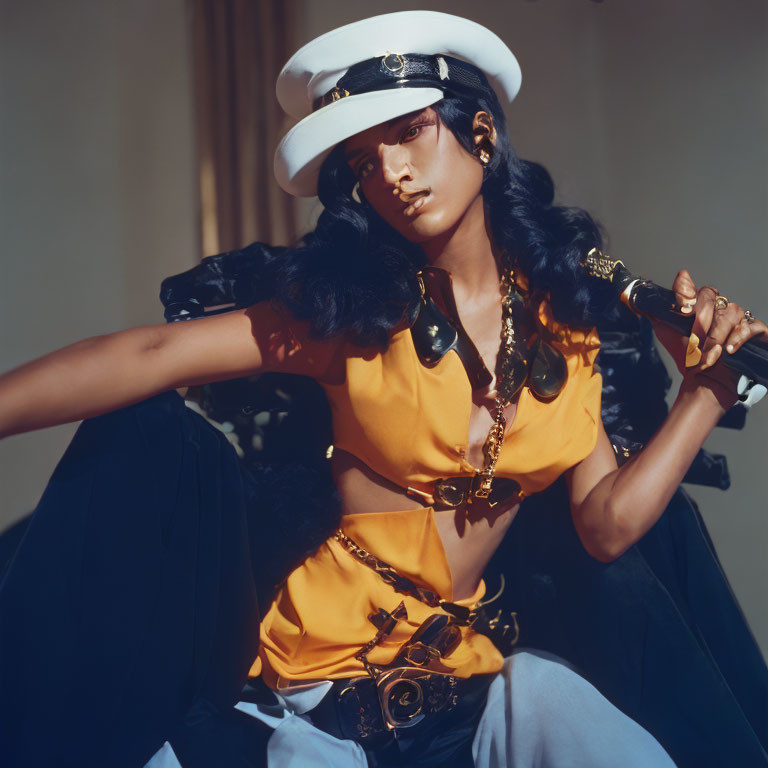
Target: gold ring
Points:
(721, 302)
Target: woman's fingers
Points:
(685, 291)
(703, 327)
(685, 299)
(742, 332)
(729, 330)
(705, 310)
(724, 320)
(719, 326)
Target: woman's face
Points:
(415, 174)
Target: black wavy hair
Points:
(355, 275)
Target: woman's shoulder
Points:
(288, 345)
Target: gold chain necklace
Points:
(504, 386)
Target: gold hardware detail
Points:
(393, 62)
(338, 93)
(693, 351)
(600, 265)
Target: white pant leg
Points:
(165, 757)
(296, 743)
(542, 714)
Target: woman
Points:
(435, 239)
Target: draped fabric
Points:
(239, 47)
(128, 615)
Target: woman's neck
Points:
(468, 253)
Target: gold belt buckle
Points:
(402, 696)
(483, 491)
(449, 492)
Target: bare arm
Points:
(614, 507)
(103, 373)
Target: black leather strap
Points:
(439, 288)
(351, 709)
(411, 70)
(455, 491)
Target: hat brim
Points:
(304, 148)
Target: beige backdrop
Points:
(97, 187)
(651, 114)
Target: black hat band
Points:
(410, 70)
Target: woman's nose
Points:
(394, 165)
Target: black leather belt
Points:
(452, 492)
(374, 713)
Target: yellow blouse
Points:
(410, 424)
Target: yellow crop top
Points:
(410, 424)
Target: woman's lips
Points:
(414, 201)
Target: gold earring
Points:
(483, 148)
(485, 137)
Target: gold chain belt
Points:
(408, 690)
(460, 613)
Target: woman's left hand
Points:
(717, 330)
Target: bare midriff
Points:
(320, 617)
(398, 423)
(447, 549)
(470, 534)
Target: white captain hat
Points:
(374, 70)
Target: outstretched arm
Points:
(614, 507)
(107, 372)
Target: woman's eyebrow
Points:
(390, 124)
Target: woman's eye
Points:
(413, 131)
(364, 169)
